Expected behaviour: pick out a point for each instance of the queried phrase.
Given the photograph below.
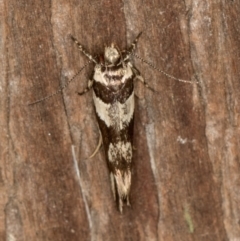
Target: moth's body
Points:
(113, 95)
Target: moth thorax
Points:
(111, 54)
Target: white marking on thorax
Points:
(115, 114)
(99, 75)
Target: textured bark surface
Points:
(186, 164)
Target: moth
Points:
(113, 96)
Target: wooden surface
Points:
(186, 163)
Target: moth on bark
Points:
(113, 96)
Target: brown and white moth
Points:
(113, 95)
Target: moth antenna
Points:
(132, 47)
(62, 88)
(161, 71)
(84, 51)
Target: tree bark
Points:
(185, 182)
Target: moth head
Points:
(111, 54)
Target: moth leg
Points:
(98, 146)
(90, 84)
(84, 51)
(139, 77)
